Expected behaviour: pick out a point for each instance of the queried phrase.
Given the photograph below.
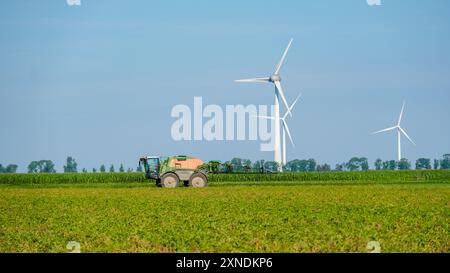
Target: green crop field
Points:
(403, 211)
(424, 176)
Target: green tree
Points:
(303, 165)
(353, 164)
(392, 165)
(11, 168)
(364, 164)
(204, 167)
(46, 166)
(323, 168)
(311, 165)
(423, 164)
(297, 165)
(102, 169)
(94, 170)
(213, 166)
(71, 165)
(291, 166)
(404, 164)
(121, 168)
(33, 167)
(84, 170)
(228, 167)
(130, 170)
(247, 165)
(436, 164)
(445, 162)
(41, 166)
(378, 164)
(111, 169)
(258, 166)
(339, 167)
(237, 164)
(271, 166)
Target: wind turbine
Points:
(276, 80)
(285, 129)
(399, 132)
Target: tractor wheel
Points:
(198, 180)
(158, 183)
(169, 180)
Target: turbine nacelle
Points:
(275, 78)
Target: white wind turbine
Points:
(285, 129)
(276, 80)
(399, 132)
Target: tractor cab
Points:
(151, 166)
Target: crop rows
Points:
(98, 178)
(396, 176)
(70, 178)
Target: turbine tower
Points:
(399, 132)
(276, 80)
(285, 130)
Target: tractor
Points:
(168, 172)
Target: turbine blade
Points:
(295, 101)
(280, 64)
(385, 130)
(401, 114)
(283, 98)
(254, 80)
(406, 135)
(292, 106)
(286, 127)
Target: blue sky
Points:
(98, 81)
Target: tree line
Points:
(11, 168)
(238, 165)
(71, 166)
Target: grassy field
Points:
(282, 216)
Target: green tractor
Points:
(170, 171)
